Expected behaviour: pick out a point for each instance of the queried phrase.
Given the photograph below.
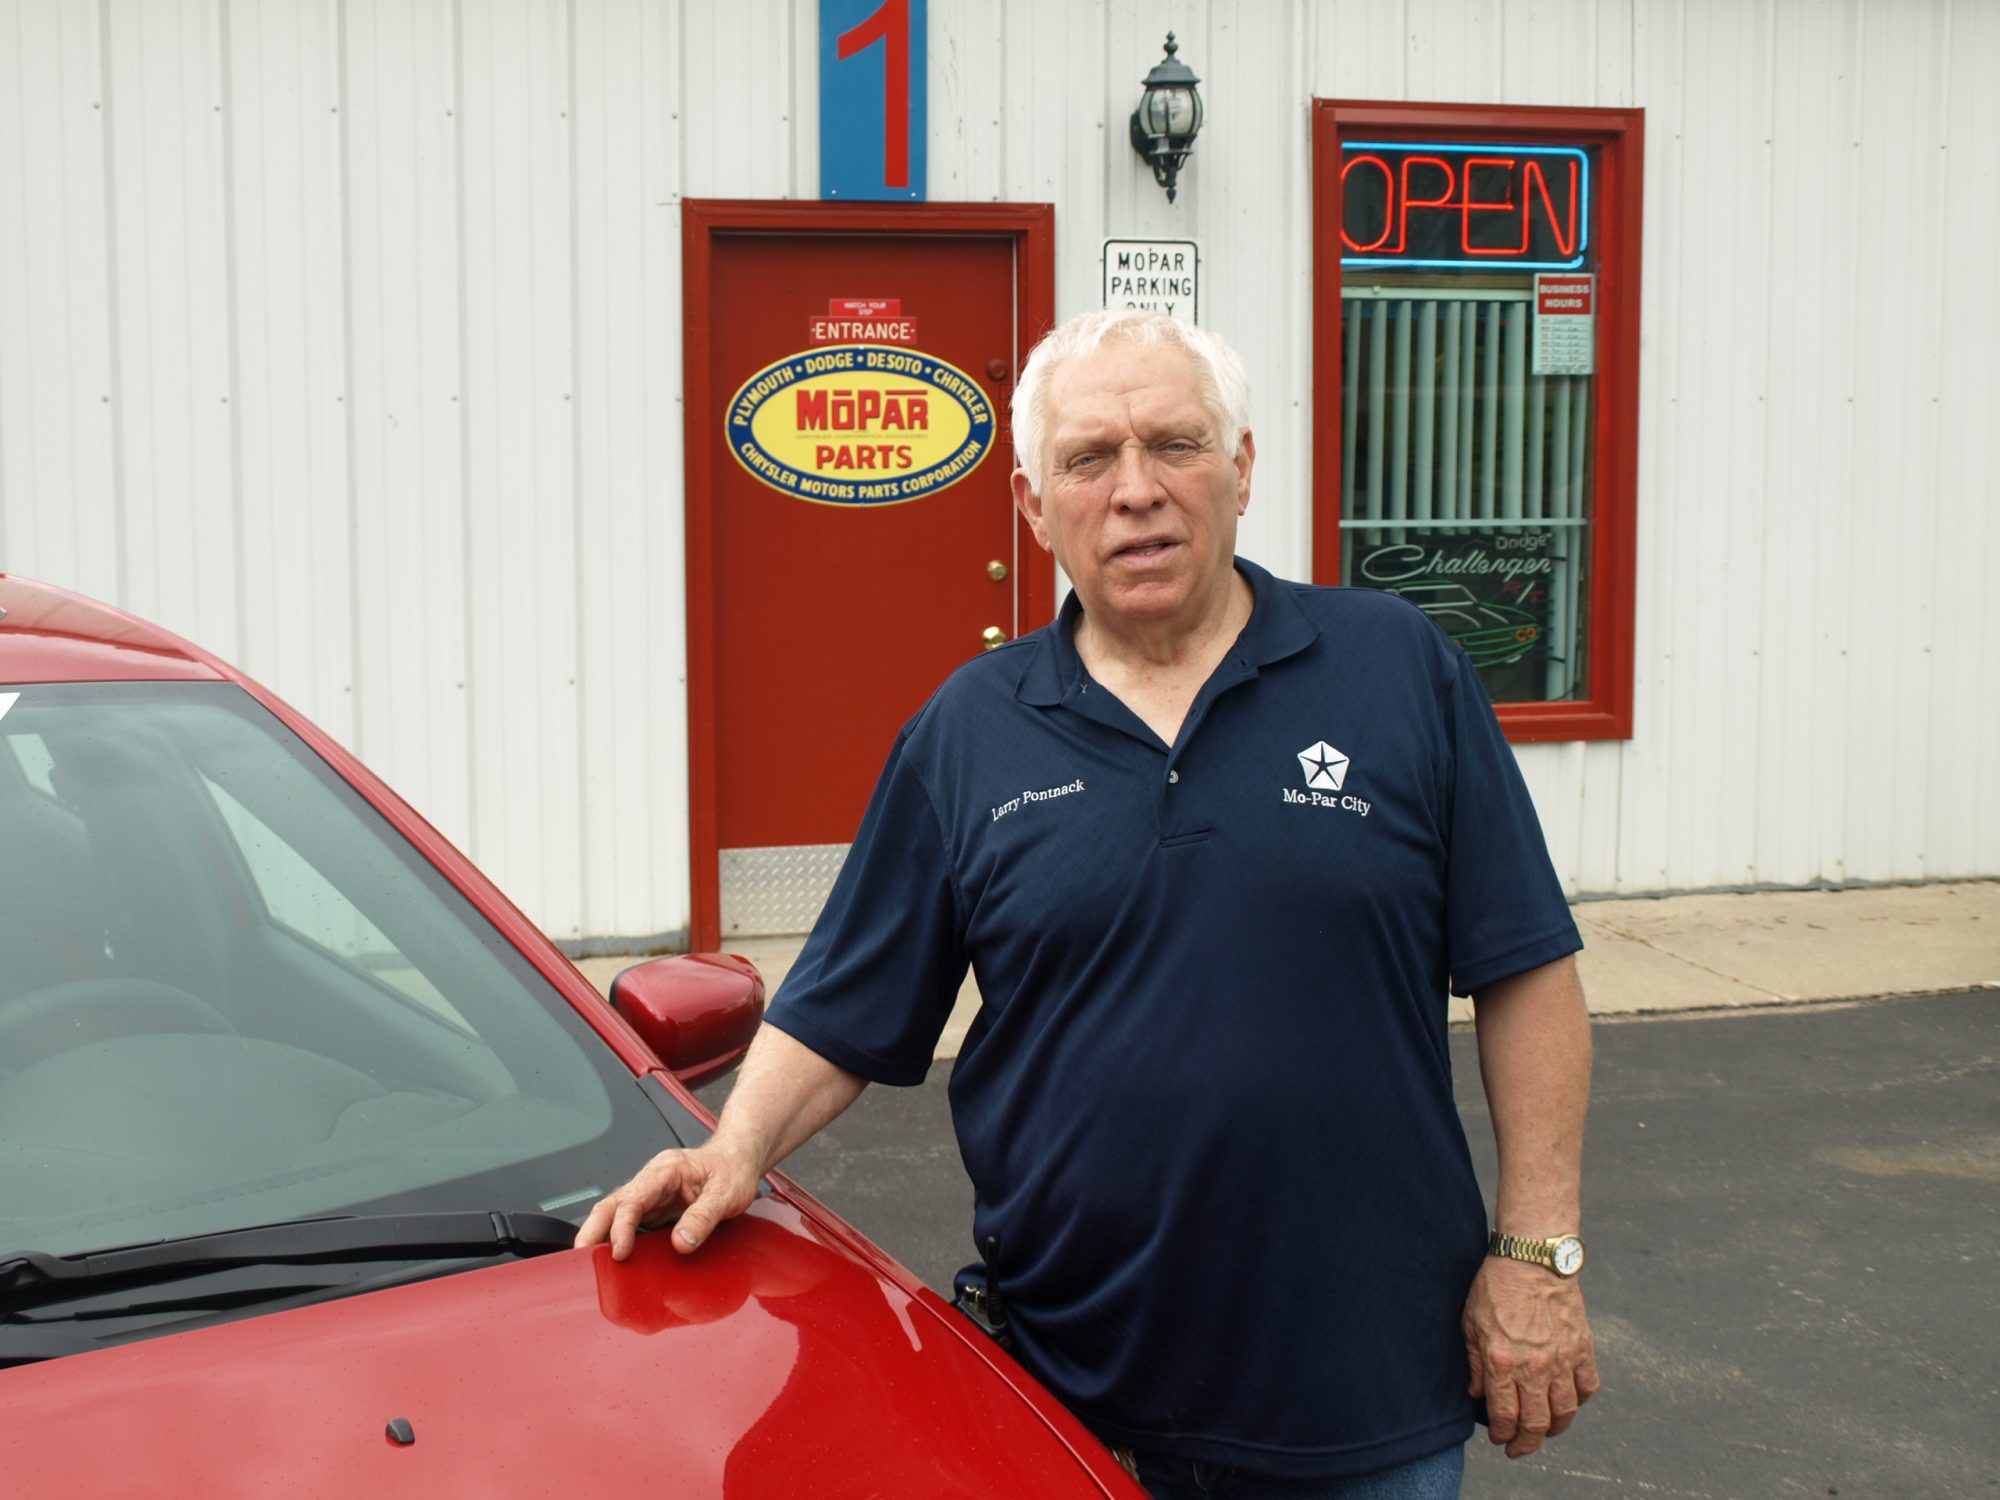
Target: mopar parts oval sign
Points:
(860, 424)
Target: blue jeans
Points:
(1434, 1477)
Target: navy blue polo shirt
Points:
(1206, 1106)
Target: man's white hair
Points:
(1225, 389)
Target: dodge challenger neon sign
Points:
(860, 424)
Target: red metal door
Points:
(832, 602)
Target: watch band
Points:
(1518, 1247)
(1537, 1251)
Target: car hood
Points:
(777, 1361)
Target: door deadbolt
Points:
(997, 571)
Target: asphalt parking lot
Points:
(1794, 1230)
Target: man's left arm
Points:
(1526, 1333)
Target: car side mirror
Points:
(697, 1011)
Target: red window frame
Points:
(1605, 711)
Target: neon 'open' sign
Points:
(1496, 207)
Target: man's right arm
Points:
(785, 1093)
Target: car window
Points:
(299, 897)
(33, 757)
(232, 993)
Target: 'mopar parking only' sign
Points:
(1158, 275)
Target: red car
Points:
(298, 1116)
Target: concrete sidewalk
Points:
(1677, 954)
(1681, 953)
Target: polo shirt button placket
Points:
(1176, 810)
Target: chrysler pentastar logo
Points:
(1326, 774)
(1324, 766)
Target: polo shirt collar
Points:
(1278, 627)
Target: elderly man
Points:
(1215, 846)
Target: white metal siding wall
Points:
(345, 337)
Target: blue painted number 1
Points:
(872, 98)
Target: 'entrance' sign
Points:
(863, 320)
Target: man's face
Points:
(1140, 501)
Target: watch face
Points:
(1569, 1255)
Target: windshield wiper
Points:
(29, 1278)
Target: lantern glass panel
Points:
(1169, 111)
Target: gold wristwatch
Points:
(1563, 1254)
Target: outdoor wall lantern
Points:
(1168, 118)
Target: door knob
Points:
(997, 571)
(993, 635)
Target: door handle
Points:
(993, 635)
(997, 571)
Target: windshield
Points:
(231, 994)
